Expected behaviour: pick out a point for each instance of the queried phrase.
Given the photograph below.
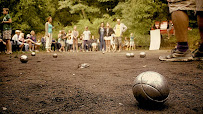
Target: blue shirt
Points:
(50, 28)
(132, 38)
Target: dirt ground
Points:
(56, 85)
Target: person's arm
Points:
(2, 41)
(124, 28)
(111, 31)
(105, 32)
(77, 34)
(9, 19)
(46, 29)
(114, 29)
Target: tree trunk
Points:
(83, 12)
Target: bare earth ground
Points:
(56, 85)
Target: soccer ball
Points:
(150, 87)
(55, 55)
(128, 55)
(142, 54)
(24, 59)
(131, 54)
(33, 53)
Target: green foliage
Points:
(142, 40)
(93, 26)
(194, 38)
(138, 15)
(141, 16)
(30, 15)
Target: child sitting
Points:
(16, 43)
(132, 42)
(113, 43)
(126, 42)
(94, 43)
(62, 41)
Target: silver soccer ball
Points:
(55, 55)
(131, 54)
(142, 54)
(127, 55)
(33, 54)
(150, 87)
(24, 59)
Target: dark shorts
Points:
(175, 5)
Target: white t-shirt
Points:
(86, 35)
(15, 37)
(69, 41)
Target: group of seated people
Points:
(21, 43)
(30, 43)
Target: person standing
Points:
(132, 42)
(68, 40)
(181, 21)
(48, 33)
(7, 30)
(108, 36)
(62, 41)
(101, 32)
(75, 39)
(119, 29)
(86, 38)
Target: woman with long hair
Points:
(48, 33)
(108, 36)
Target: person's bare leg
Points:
(200, 24)
(134, 47)
(76, 47)
(181, 21)
(21, 47)
(168, 34)
(199, 52)
(73, 45)
(109, 45)
(7, 47)
(30, 45)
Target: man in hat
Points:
(119, 29)
(7, 29)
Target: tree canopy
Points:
(138, 15)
